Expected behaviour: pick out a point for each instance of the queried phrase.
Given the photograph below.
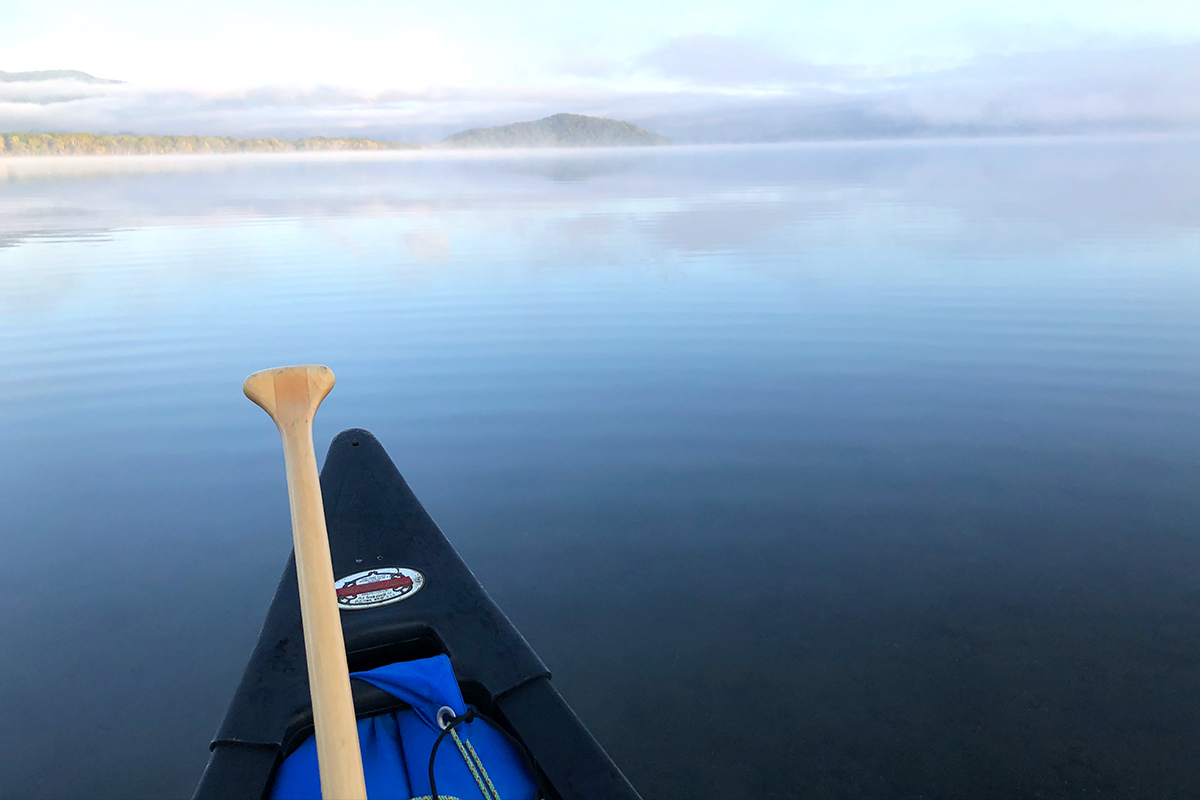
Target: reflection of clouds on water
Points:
(976, 200)
(577, 168)
(429, 245)
(331, 232)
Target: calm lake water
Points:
(825, 471)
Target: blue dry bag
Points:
(474, 761)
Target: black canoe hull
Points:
(375, 520)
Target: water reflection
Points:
(989, 194)
(858, 469)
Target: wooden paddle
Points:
(291, 396)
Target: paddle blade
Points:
(289, 394)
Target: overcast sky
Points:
(744, 69)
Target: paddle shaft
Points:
(295, 393)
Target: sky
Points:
(744, 70)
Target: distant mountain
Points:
(52, 75)
(560, 130)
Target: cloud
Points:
(46, 91)
(710, 60)
(1141, 89)
(589, 65)
(1131, 87)
(693, 89)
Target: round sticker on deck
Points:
(378, 587)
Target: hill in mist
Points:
(560, 130)
(52, 75)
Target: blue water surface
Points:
(815, 470)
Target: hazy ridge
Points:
(559, 130)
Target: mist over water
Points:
(826, 470)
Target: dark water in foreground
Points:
(866, 470)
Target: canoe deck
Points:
(428, 602)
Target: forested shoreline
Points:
(559, 130)
(91, 144)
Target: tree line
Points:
(91, 144)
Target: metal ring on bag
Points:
(444, 715)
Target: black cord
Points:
(521, 749)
